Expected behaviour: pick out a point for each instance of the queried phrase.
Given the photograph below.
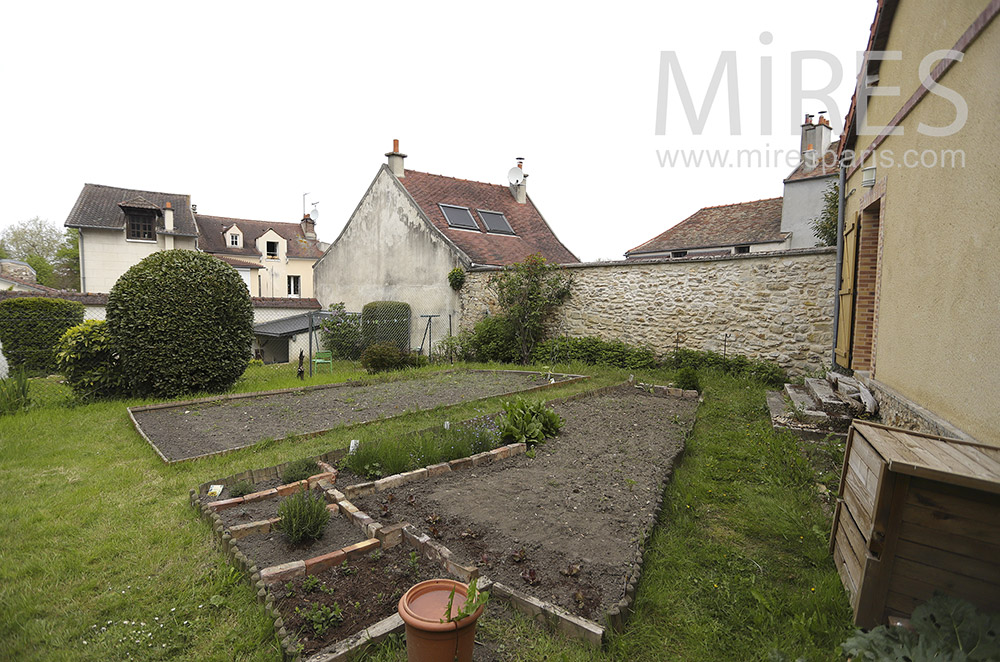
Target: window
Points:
(741, 249)
(678, 254)
(234, 240)
(459, 217)
(294, 283)
(495, 222)
(272, 250)
(141, 225)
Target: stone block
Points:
(328, 476)
(372, 529)
(516, 449)
(261, 496)
(326, 467)
(291, 488)
(415, 538)
(501, 453)
(463, 572)
(225, 504)
(283, 572)
(361, 489)
(389, 482)
(336, 495)
(318, 564)
(347, 508)
(391, 535)
(438, 469)
(480, 459)
(244, 530)
(333, 508)
(360, 549)
(461, 463)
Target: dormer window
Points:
(141, 225)
(272, 250)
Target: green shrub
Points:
(528, 422)
(386, 322)
(14, 393)
(303, 517)
(493, 340)
(767, 372)
(299, 470)
(240, 488)
(687, 379)
(382, 357)
(181, 322)
(340, 332)
(456, 278)
(30, 328)
(594, 351)
(528, 292)
(457, 347)
(90, 365)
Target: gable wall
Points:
(776, 306)
(801, 202)
(388, 253)
(106, 255)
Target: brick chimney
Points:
(396, 159)
(168, 218)
(808, 137)
(308, 226)
(815, 138)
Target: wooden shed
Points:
(916, 514)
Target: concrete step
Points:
(805, 408)
(783, 418)
(822, 393)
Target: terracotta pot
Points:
(427, 638)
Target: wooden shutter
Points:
(848, 276)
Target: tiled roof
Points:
(237, 262)
(824, 167)
(531, 233)
(26, 283)
(755, 222)
(101, 207)
(280, 302)
(212, 237)
(86, 298)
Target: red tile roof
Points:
(755, 222)
(531, 233)
(212, 237)
(825, 167)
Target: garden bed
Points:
(565, 526)
(199, 428)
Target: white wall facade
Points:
(106, 254)
(802, 202)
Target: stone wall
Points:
(774, 306)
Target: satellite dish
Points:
(314, 214)
(515, 176)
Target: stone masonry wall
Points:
(775, 306)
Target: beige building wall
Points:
(387, 252)
(937, 316)
(107, 254)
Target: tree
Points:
(44, 273)
(67, 262)
(825, 225)
(527, 293)
(32, 237)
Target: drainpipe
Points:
(83, 272)
(841, 202)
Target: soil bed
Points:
(366, 593)
(565, 525)
(270, 549)
(204, 428)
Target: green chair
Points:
(319, 358)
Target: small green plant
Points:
(303, 517)
(414, 562)
(382, 357)
(310, 583)
(474, 599)
(299, 470)
(14, 393)
(944, 628)
(346, 570)
(529, 422)
(376, 555)
(456, 278)
(289, 590)
(321, 617)
(687, 379)
(257, 363)
(240, 488)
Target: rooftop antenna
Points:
(304, 204)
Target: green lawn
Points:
(95, 532)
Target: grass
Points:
(95, 532)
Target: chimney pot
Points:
(395, 144)
(396, 159)
(168, 204)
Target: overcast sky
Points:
(246, 106)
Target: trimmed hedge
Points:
(181, 322)
(493, 340)
(88, 361)
(386, 322)
(736, 364)
(594, 351)
(30, 329)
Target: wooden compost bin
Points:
(916, 514)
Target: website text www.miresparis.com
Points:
(773, 158)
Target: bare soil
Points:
(270, 549)
(366, 592)
(194, 430)
(565, 525)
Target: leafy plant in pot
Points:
(436, 627)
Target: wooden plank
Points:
(948, 524)
(963, 545)
(852, 568)
(845, 576)
(864, 482)
(864, 451)
(986, 460)
(951, 478)
(847, 453)
(966, 462)
(854, 537)
(890, 449)
(956, 501)
(902, 605)
(858, 509)
(976, 569)
(922, 449)
(836, 523)
(975, 590)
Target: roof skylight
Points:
(459, 217)
(495, 222)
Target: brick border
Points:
(570, 379)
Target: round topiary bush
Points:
(181, 322)
(386, 322)
(30, 329)
(89, 363)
